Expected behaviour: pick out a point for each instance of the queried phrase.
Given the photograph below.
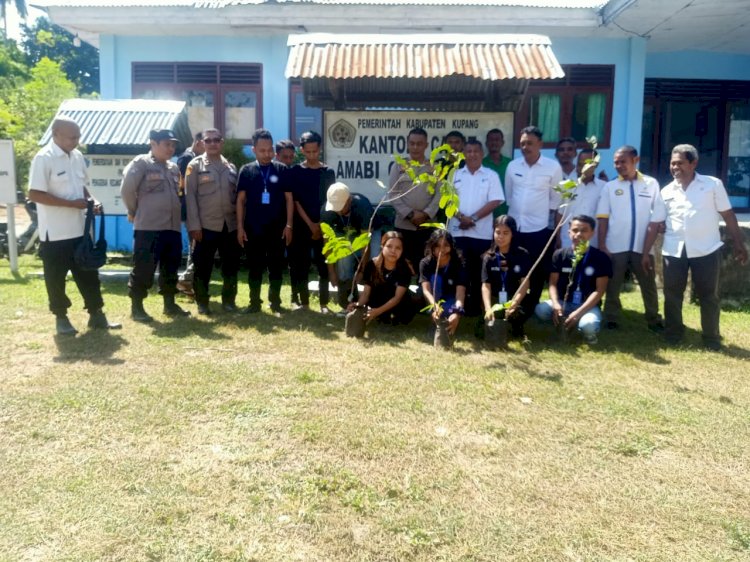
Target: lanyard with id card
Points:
(502, 295)
(578, 294)
(265, 197)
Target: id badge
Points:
(577, 298)
(265, 198)
(502, 297)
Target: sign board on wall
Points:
(359, 145)
(105, 173)
(7, 172)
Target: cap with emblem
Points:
(159, 135)
(337, 196)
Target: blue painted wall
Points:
(698, 65)
(118, 53)
(629, 58)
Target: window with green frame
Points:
(578, 105)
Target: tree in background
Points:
(26, 111)
(20, 8)
(81, 64)
(13, 68)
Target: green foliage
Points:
(339, 247)
(233, 151)
(25, 113)
(432, 225)
(81, 64)
(13, 68)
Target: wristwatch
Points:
(410, 215)
(474, 218)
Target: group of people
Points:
(492, 259)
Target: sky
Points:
(14, 22)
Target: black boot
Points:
(64, 327)
(98, 321)
(137, 313)
(173, 309)
(255, 300)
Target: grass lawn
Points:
(256, 438)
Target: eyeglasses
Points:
(212, 140)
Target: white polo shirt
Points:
(629, 210)
(64, 176)
(474, 192)
(585, 202)
(692, 216)
(530, 191)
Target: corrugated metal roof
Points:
(123, 122)
(218, 4)
(572, 4)
(484, 57)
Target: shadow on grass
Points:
(94, 346)
(16, 279)
(631, 338)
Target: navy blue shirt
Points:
(505, 272)
(358, 218)
(255, 180)
(310, 186)
(594, 264)
(449, 277)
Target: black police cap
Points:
(159, 135)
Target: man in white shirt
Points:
(585, 200)
(624, 212)
(479, 192)
(57, 184)
(691, 206)
(530, 183)
(565, 152)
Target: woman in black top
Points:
(443, 276)
(386, 279)
(310, 180)
(504, 267)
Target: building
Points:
(651, 74)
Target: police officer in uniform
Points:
(211, 194)
(150, 192)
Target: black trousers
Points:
(414, 245)
(705, 275)
(302, 253)
(534, 243)
(57, 260)
(472, 250)
(265, 251)
(203, 258)
(152, 248)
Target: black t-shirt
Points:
(383, 288)
(255, 181)
(358, 218)
(593, 265)
(310, 186)
(505, 272)
(449, 277)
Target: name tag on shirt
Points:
(204, 177)
(577, 298)
(265, 198)
(153, 176)
(502, 297)
(567, 269)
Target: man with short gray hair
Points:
(691, 206)
(57, 184)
